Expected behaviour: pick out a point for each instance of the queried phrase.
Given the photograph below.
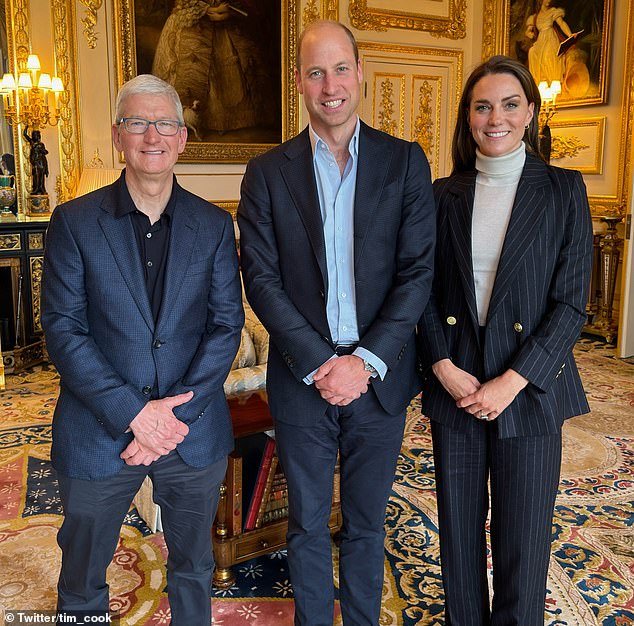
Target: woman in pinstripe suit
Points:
(512, 270)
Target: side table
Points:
(250, 414)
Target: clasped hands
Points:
(342, 380)
(156, 430)
(483, 400)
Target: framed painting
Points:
(565, 40)
(230, 62)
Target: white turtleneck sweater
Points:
(496, 184)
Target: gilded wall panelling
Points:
(90, 21)
(447, 18)
(425, 85)
(426, 115)
(64, 24)
(578, 143)
(493, 27)
(310, 13)
(330, 9)
(385, 89)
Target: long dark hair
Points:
(463, 147)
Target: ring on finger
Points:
(482, 415)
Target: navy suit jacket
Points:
(537, 307)
(284, 265)
(101, 335)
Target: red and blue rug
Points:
(591, 578)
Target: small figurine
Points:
(39, 163)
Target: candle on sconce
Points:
(25, 85)
(57, 87)
(7, 86)
(44, 84)
(33, 65)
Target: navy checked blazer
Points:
(101, 335)
(283, 259)
(537, 307)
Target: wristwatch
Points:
(368, 367)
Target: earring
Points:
(526, 127)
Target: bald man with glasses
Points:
(142, 312)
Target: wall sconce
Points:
(31, 99)
(548, 108)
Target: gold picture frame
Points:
(582, 68)
(443, 19)
(224, 147)
(578, 144)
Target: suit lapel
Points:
(370, 183)
(299, 175)
(460, 216)
(120, 236)
(183, 234)
(526, 217)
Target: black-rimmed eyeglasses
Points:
(138, 126)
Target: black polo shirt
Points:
(152, 241)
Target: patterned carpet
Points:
(591, 577)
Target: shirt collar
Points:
(353, 146)
(125, 204)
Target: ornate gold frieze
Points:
(310, 13)
(363, 19)
(424, 123)
(36, 241)
(10, 241)
(566, 146)
(90, 20)
(66, 65)
(380, 19)
(36, 264)
(386, 123)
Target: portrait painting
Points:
(564, 40)
(225, 60)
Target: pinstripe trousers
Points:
(522, 474)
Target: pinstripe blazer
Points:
(283, 259)
(537, 306)
(101, 334)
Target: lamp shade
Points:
(94, 178)
(33, 62)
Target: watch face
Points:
(369, 367)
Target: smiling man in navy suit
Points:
(337, 232)
(142, 311)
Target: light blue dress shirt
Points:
(336, 201)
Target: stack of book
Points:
(256, 474)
